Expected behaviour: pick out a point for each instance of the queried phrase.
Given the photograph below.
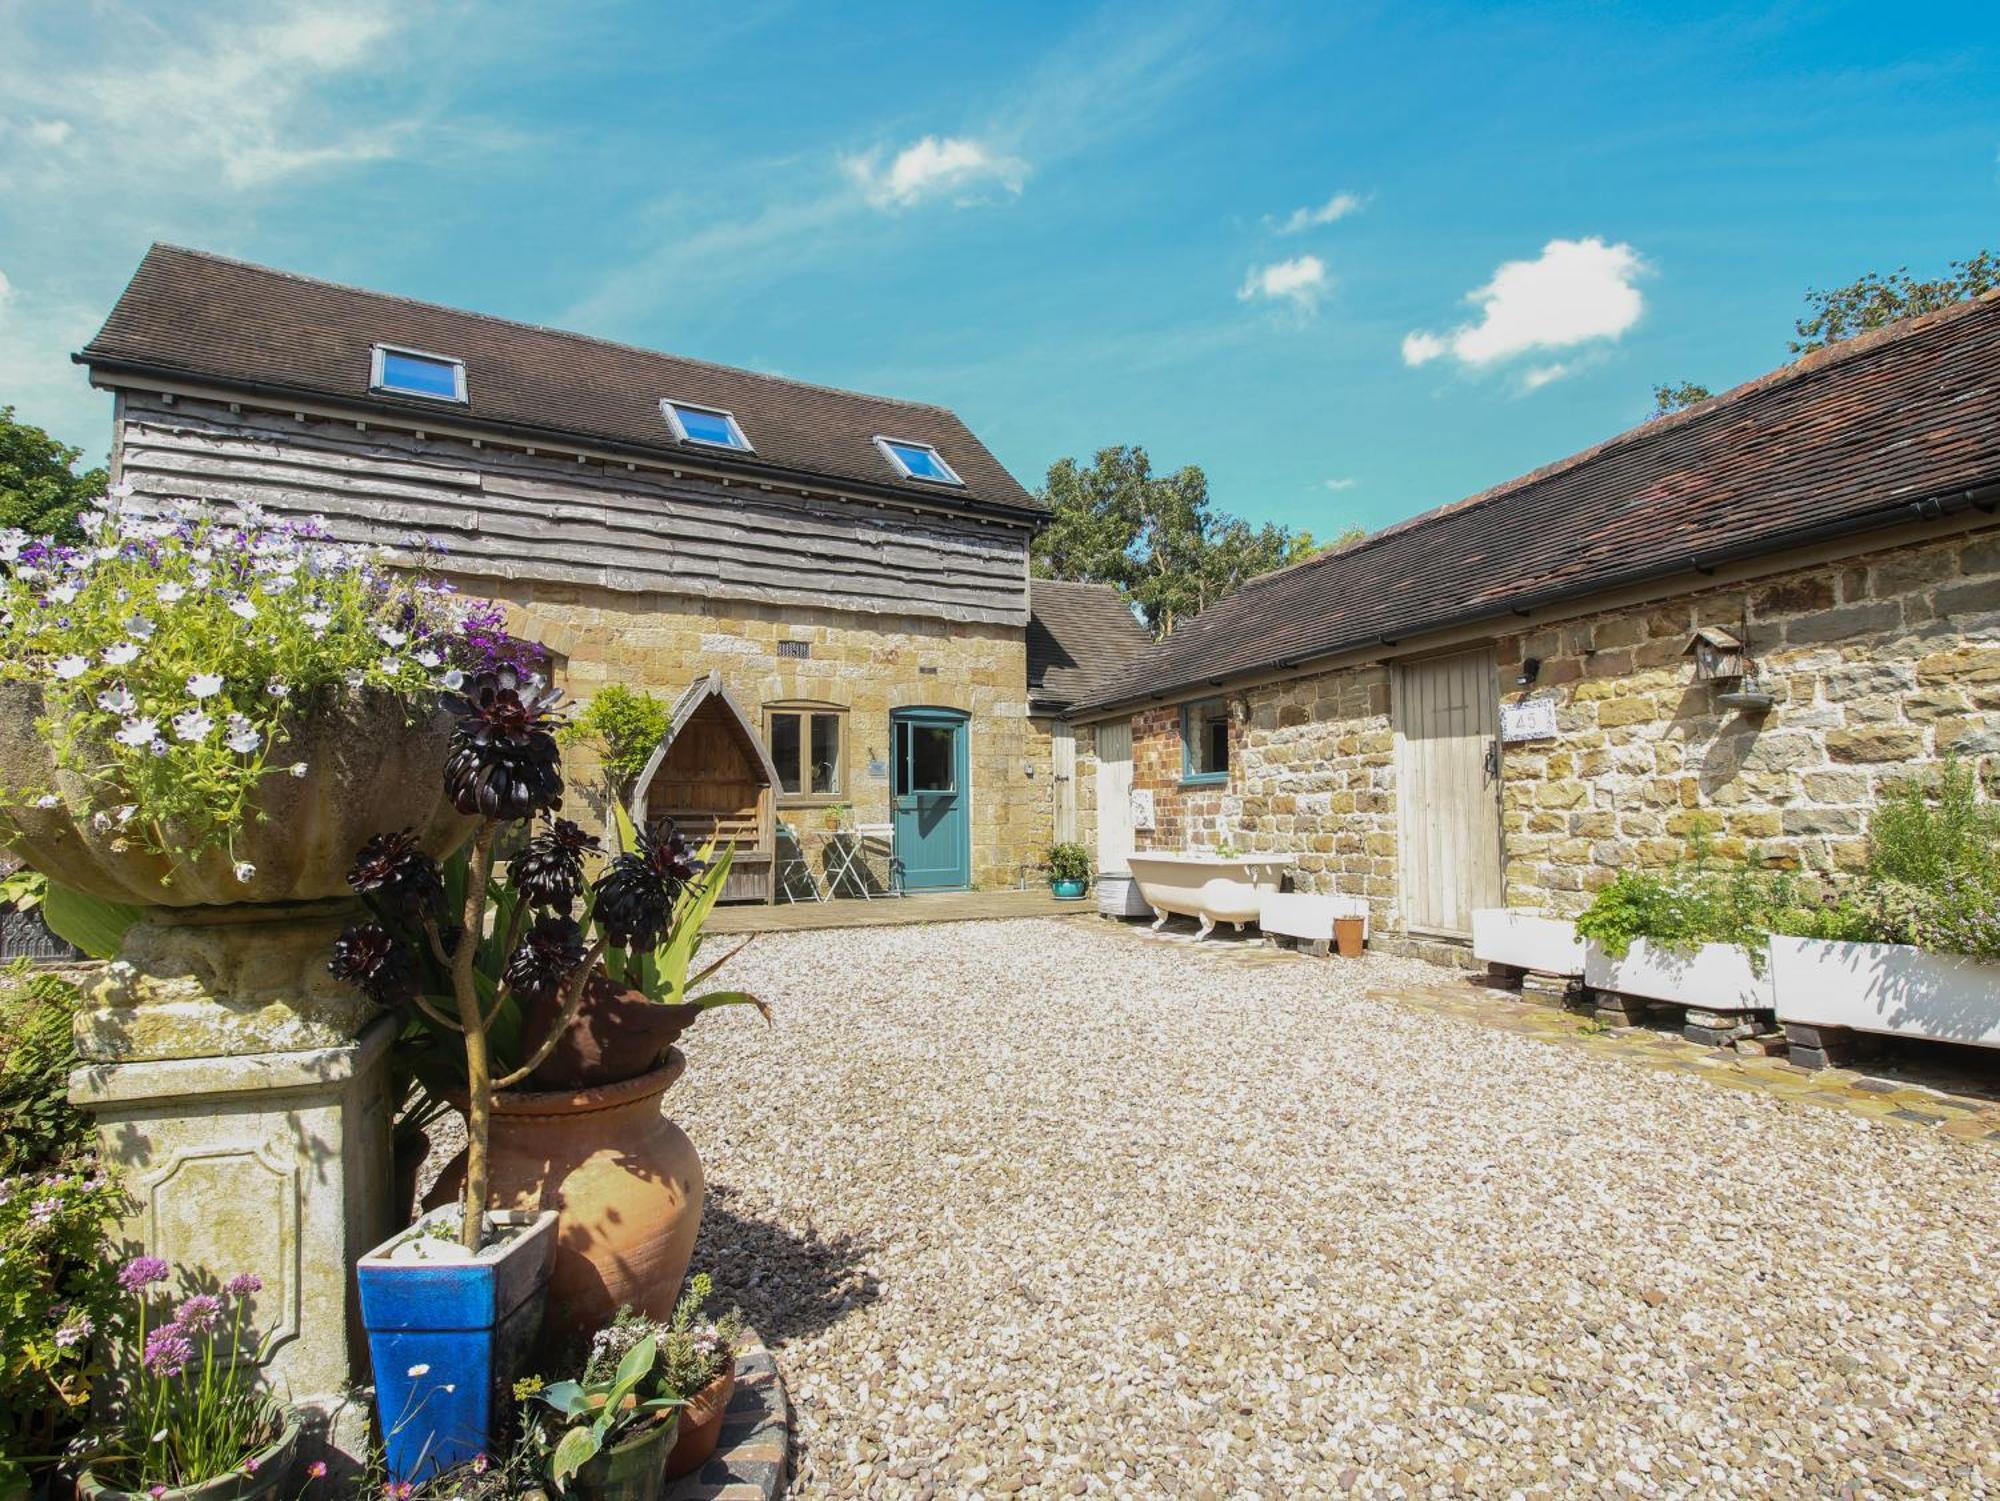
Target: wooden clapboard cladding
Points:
(714, 779)
(1447, 719)
(505, 513)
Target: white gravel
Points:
(1039, 1208)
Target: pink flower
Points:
(243, 1284)
(141, 1271)
(157, 1491)
(316, 1470)
(75, 1332)
(479, 1464)
(199, 1313)
(168, 1350)
(250, 1465)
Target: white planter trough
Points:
(1209, 888)
(1308, 915)
(1888, 988)
(1118, 895)
(1710, 977)
(1527, 940)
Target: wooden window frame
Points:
(1189, 776)
(806, 708)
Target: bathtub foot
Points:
(1160, 921)
(1207, 927)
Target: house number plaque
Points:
(1534, 719)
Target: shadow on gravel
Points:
(790, 1285)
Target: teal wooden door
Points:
(928, 798)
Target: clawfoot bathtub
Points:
(1209, 888)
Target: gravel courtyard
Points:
(1039, 1208)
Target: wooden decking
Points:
(887, 911)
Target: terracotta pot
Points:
(701, 1424)
(626, 1185)
(618, 1034)
(1347, 936)
(374, 763)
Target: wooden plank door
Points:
(1447, 718)
(1062, 765)
(1114, 797)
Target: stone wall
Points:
(1879, 665)
(868, 663)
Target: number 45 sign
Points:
(1534, 719)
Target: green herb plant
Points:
(1069, 861)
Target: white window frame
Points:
(379, 386)
(882, 446)
(669, 409)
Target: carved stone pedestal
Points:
(242, 1100)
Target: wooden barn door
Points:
(1447, 717)
(1114, 796)
(1062, 766)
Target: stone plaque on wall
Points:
(1534, 719)
(1142, 807)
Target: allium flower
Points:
(635, 897)
(199, 1313)
(123, 653)
(205, 684)
(399, 875)
(549, 872)
(550, 952)
(504, 762)
(168, 1350)
(193, 725)
(368, 958)
(71, 667)
(138, 733)
(243, 1284)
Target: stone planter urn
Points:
(241, 1095)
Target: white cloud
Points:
(934, 167)
(1346, 482)
(1301, 281)
(1336, 208)
(1576, 291)
(1537, 376)
(50, 132)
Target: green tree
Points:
(41, 491)
(1157, 537)
(1673, 398)
(1872, 300)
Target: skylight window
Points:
(411, 372)
(708, 425)
(918, 461)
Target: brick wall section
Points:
(869, 663)
(1880, 664)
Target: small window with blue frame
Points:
(1205, 741)
(411, 372)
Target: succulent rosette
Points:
(178, 645)
(636, 894)
(549, 872)
(505, 763)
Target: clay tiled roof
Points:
(227, 323)
(1890, 427)
(1078, 636)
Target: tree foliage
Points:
(1158, 537)
(626, 726)
(41, 491)
(1872, 300)
(1674, 398)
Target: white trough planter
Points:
(1309, 915)
(1711, 977)
(1888, 988)
(1527, 940)
(1118, 895)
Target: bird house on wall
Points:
(1719, 655)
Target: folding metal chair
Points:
(794, 866)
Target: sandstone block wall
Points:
(870, 664)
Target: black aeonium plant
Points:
(398, 878)
(549, 953)
(504, 760)
(636, 893)
(370, 958)
(549, 872)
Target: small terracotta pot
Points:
(701, 1424)
(626, 1185)
(1347, 933)
(618, 1034)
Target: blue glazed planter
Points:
(1067, 891)
(446, 1338)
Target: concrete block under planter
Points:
(1118, 895)
(1527, 940)
(1710, 977)
(1886, 988)
(1309, 915)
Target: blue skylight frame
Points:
(921, 458)
(692, 422)
(396, 370)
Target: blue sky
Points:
(1353, 260)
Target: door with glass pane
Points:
(928, 798)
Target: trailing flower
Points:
(177, 646)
